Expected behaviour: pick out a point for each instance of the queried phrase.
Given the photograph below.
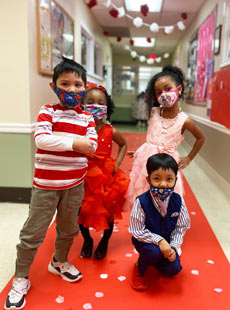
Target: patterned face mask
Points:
(161, 193)
(98, 111)
(168, 98)
(69, 99)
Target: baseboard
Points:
(15, 194)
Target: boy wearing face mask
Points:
(63, 135)
(158, 222)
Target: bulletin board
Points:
(55, 35)
(220, 109)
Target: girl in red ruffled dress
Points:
(105, 183)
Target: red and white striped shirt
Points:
(57, 166)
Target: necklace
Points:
(169, 122)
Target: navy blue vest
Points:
(154, 221)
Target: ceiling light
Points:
(143, 42)
(135, 5)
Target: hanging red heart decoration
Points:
(144, 10)
(114, 13)
(131, 42)
(153, 56)
(119, 39)
(149, 40)
(184, 15)
(92, 3)
(106, 33)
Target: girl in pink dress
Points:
(165, 132)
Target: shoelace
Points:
(18, 289)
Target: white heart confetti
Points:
(218, 290)
(210, 261)
(115, 230)
(193, 213)
(59, 299)
(135, 251)
(195, 272)
(99, 294)
(104, 276)
(91, 228)
(87, 306)
(128, 254)
(121, 278)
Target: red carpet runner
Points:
(204, 282)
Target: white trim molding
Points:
(209, 123)
(17, 128)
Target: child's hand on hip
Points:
(131, 154)
(184, 162)
(84, 145)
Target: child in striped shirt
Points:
(64, 134)
(158, 222)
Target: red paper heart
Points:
(114, 13)
(92, 3)
(144, 10)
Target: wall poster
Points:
(204, 68)
(55, 35)
(191, 72)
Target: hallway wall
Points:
(216, 150)
(23, 89)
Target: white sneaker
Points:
(16, 297)
(66, 270)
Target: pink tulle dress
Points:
(163, 136)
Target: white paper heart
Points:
(99, 294)
(87, 306)
(104, 276)
(59, 299)
(195, 272)
(121, 278)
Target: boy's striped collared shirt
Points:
(57, 166)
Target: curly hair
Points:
(175, 73)
(109, 101)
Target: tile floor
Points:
(211, 192)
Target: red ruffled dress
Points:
(104, 192)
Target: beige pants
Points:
(42, 208)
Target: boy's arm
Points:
(137, 226)
(91, 133)
(45, 139)
(183, 223)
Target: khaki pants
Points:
(42, 208)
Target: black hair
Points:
(69, 65)
(175, 73)
(109, 102)
(161, 160)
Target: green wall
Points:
(215, 151)
(16, 164)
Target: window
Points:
(98, 61)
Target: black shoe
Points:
(87, 249)
(101, 249)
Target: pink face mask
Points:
(168, 98)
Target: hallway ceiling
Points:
(170, 14)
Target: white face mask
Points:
(168, 98)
